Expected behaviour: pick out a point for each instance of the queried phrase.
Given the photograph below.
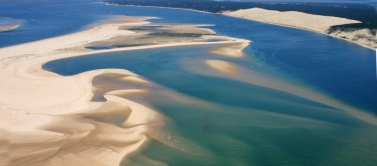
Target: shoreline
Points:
(365, 46)
(267, 22)
(43, 112)
(108, 3)
(296, 27)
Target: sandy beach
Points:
(48, 119)
(316, 23)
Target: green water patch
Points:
(220, 120)
(214, 134)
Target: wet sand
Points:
(48, 119)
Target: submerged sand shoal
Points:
(9, 27)
(7, 24)
(48, 119)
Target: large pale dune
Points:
(316, 23)
(48, 119)
(292, 18)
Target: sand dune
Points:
(316, 23)
(85, 119)
(292, 18)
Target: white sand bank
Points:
(47, 119)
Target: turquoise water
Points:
(212, 119)
(220, 121)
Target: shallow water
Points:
(220, 121)
(214, 119)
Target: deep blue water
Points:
(44, 19)
(240, 123)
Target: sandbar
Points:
(8, 24)
(49, 119)
(223, 66)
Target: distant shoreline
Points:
(354, 11)
(308, 30)
(264, 21)
(304, 16)
(108, 3)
